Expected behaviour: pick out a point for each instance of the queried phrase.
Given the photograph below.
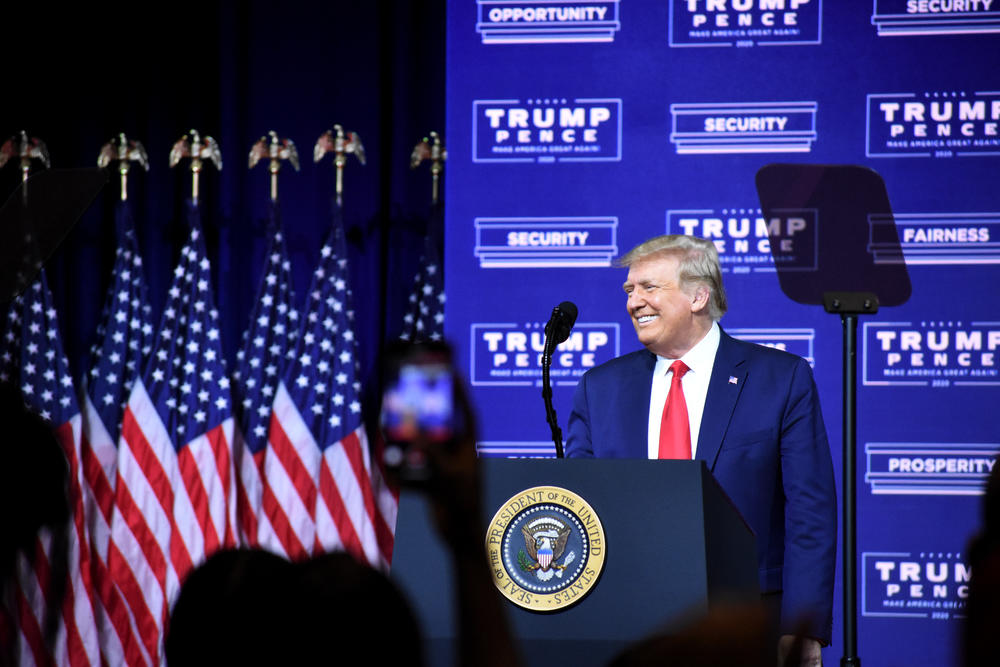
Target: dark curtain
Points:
(77, 74)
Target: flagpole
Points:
(117, 361)
(431, 148)
(26, 149)
(320, 396)
(192, 146)
(123, 151)
(271, 332)
(424, 319)
(340, 143)
(275, 151)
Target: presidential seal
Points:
(546, 548)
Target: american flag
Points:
(125, 337)
(424, 319)
(318, 461)
(175, 494)
(267, 342)
(33, 361)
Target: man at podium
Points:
(750, 412)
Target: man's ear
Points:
(699, 299)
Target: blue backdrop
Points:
(578, 129)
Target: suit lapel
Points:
(636, 438)
(729, 374)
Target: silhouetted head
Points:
(251, 607)
(33, 496)
(373, 622)
(236, 608)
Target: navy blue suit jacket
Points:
(763, 438)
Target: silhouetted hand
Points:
(799, 652)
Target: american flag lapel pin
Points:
(733, 380)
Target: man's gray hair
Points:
(698, 264)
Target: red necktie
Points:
(675, 433)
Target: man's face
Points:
(663, 315)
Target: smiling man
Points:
(751, 413)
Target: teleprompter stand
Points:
(831, 263)
(37, 217)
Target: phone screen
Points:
(418, 404)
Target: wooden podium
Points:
(675, 545)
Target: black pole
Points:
(849, 473)
(550, 412)
(849, 305)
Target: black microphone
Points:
(556, 331)
(561, 323)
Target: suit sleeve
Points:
(810, 512)
(578, 443)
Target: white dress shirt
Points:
(699, 359)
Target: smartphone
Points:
(418, 405)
